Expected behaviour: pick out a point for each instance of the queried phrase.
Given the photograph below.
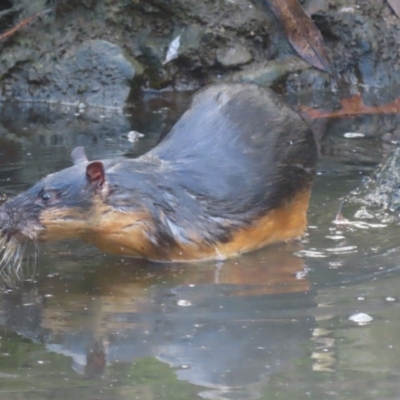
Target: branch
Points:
(22, 24)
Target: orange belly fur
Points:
(126, 234)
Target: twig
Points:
(22, 24)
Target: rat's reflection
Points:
(225, 326)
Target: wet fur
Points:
(234, 170)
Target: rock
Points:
(96, 73)
(235, 55)
(46, 60)
(361, 46)
(269, 73)
(154, 49)
(313, 6)
(191, 40)
(381, 190)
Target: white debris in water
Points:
(390, 298)
(352, 135)
(184, 303)
(134, 136)
(173, 50)
(361, 318)
(360, 298)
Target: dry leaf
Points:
(173, 50)
(301, 32)
(395, 6)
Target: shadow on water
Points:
(273, 323)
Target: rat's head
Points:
(57, 207)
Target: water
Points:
(270, 324)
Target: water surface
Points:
(270, 324)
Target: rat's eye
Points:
(46, 196)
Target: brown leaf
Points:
(301, 32)
(395, 6)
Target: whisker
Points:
(11, 260)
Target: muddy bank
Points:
(98, 52)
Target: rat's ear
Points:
(78, 155)
(95, 174)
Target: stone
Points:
(95, 73)
(233, 56)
